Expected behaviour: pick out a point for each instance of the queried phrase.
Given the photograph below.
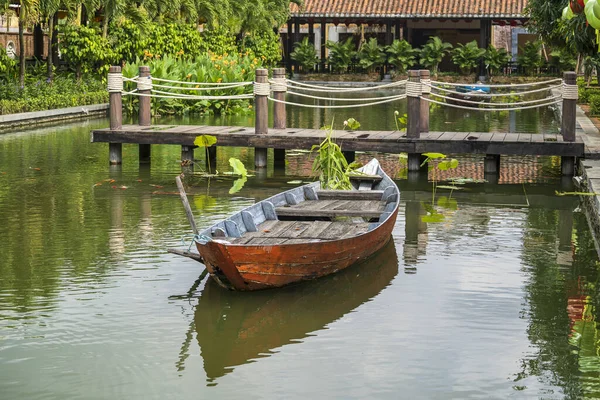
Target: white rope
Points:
(316, 88)
(131, 92)
(489, 109)
(413, 89)
(425, 86)
(262, 88)
(401, 97)
(496, 94)
(144, 83)
(310, 96)
(570, 92)
(510, 85)
(496, 104)
(232, 86)
(190, 96)
(201, 83)
(115, 82)
(278, 84)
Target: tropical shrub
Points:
(340, 54)
(586, 93)
(85, 50)
(433, 52)
(305, 54)
(494, 59)
(563, 59)
(7, 65)
(594, 101)
(219, 40)
(530, 58)
(263, 45)
(467, 56)
(207, 68)
(371, 55)
(401, 55)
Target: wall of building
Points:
(5, 38)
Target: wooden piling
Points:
(187, 154)
(116, 119)
(279, 114)
(144, 116)
(424, 115)
(569, 113)
(413, 128)
(491, 164)
(261, 121)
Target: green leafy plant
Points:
(263, 45)
(330, 164)
(240, 170)
(305, 54)
(563, 59)
(433, 52)
(401, 55)
(85, 50)
(438, 162)
(351, 124)
(467, 56)
(205, 141)
(371, 55)
(530, 58)
(494, 59)
(401, 121)
(340, 54)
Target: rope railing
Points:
(491, 109)
(388, 100)
(330, 89)
(438, 88)
(479, 103)
(508, 85)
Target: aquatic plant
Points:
(438, 162)
(330, 163)
(401, 121)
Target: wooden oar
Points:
(190, 217)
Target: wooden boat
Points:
(234, 328)
(301, 234)
(477, 92)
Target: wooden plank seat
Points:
(290, 232)
(350, 194)
(333, 208)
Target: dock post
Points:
(569, 111)
(279, 113)
(144, 85)
(413, 128)
(491, 167)
(115, 89)
(261, 110)
(425, 90)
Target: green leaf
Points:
(450, 204)
(205, 140)
(434, 218)
(238, 185)
(238, 167)
(449, 187)
(434, 156)
(352, 124)
(453, 163)
(294, 182)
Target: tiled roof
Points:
(411, 8)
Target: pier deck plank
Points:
(385, 142)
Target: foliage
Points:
(594, 101)
(401, 55)
(85, 50)
(591, 64)
(563, 59)
(467, 56)
(7, 65)
(238, 167)
(586, 93)
(543, 16)
(530, 58)
(219, 40)
(351, 124)
(340, 54)
(401, 121)
(205, 141)
(264, 46)
(438, 162)
(208, 68)
(433, 52)
(305, 54)
(495, 59)
(330, 164)
(371, 55)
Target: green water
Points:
(498, 301)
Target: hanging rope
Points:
(316, 88)
(262, 89)
(231, 86)
(201, 83)
(455, 99)
(400, 97)
(310, 96)
(168, 95)
(510, 85)
(495, 94)
(490, 109)
(570, 92)
(115, 82)
(413, 89)
(278, 84)
(144, 83)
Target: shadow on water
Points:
(235, 328)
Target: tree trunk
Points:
(78, 19)
(78, 72)
(21, 53)
(49, 61)
(54, 40)
(105, 26)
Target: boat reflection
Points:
(235, 328)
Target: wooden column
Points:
(388, 33)
(485, 38)
(397, 31)
(289, 45)
(187, 155)
(261, 120)
(116, 116)
(323, 41)
(296, 39)
(413, 129)
(279, 114)
(491, 164)
(569, 113)
(311, 32)
(144, 114)
(425, 90)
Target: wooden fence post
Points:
(115, 88)
(425, 90)
(413, 128)
(279, 113)
(261, 110)
(145, 112)
(569, 112)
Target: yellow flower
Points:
(243, 71)
(219, 80)
(188, 76)
(249, 106)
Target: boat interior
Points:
(309, 214)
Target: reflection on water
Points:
(235, 328)
(499, 300)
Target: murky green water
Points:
(498, 301)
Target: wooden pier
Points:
(415, 141)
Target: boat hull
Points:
(247, 267)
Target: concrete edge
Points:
(589, 181)
(40, 117)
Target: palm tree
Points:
(28, 13)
